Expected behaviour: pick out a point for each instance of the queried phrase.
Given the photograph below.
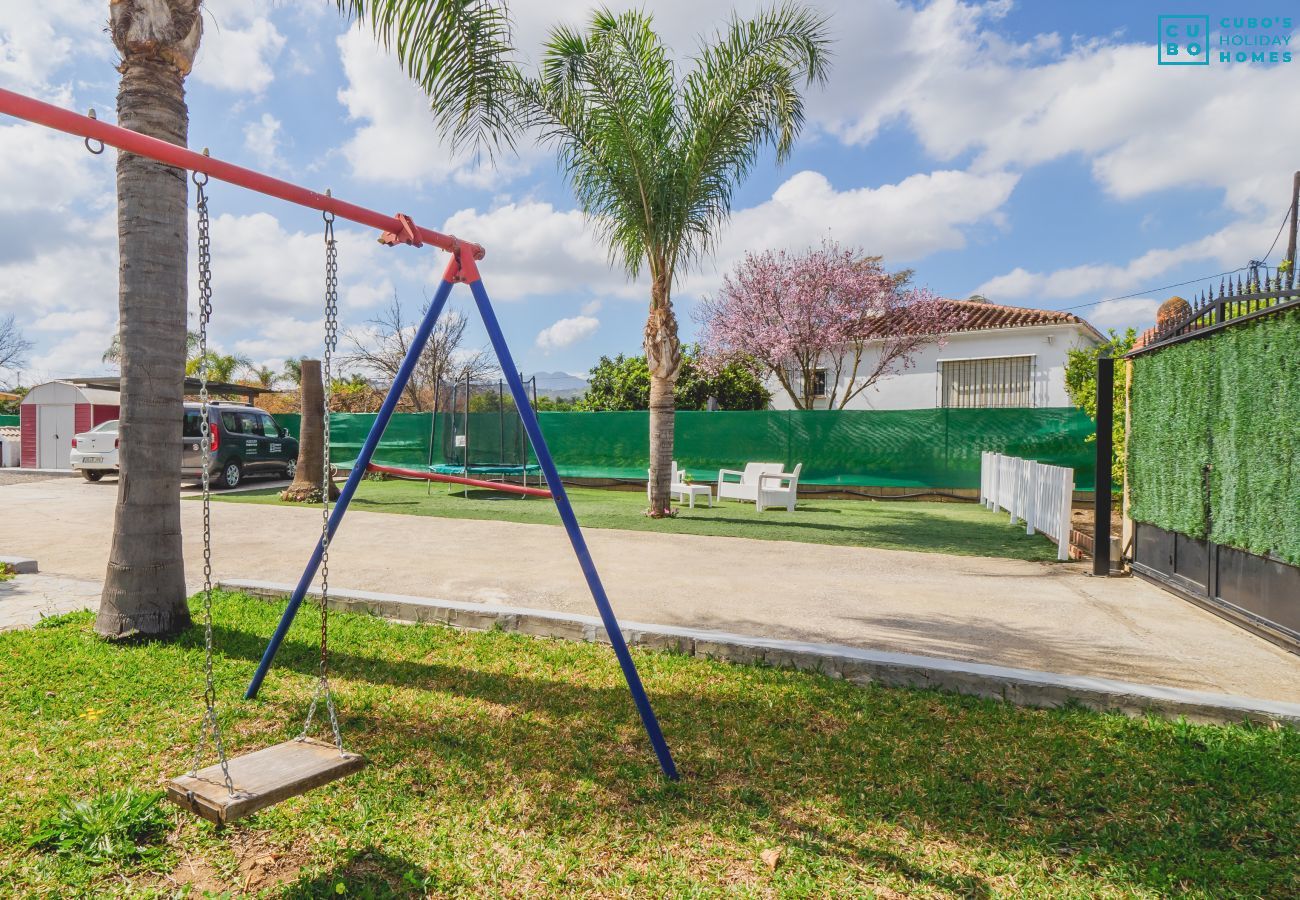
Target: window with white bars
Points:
(999, 381)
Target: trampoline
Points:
(483, 440)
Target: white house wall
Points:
(918, 387)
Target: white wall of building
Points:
(918, 387)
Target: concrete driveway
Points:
(1044, 616)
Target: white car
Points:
(94, 452)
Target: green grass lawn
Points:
(503, 765)
(965, 529)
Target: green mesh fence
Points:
(406, 441)
(914, 448)
(7, 419)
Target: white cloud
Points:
(1121, 314)
(64, 297)
(38, 41)
(566, 332)
(46, 170)
(534, 248)
(240, 47)
(396, 141)
(262, 141)
(1225, 249)
(942, 69)
(262, 270)
(919, 215)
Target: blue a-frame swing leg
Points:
(556, 486)
(544, 459)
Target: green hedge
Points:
(1230, 402)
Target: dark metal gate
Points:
(1258, 593)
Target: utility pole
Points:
(1290, 246)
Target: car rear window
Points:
(193, 424)
(110, 425)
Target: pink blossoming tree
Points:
(830, 309)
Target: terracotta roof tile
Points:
(975, 316)
(970, 315)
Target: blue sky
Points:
(1031, 151)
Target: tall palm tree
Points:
(144, 587)
(654, 159)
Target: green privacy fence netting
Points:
(405, 442)
(915, 448)
(7, 419)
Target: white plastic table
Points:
(689, 492)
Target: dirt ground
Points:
(1045, 616)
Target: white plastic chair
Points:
(778, 489)
(747, 487)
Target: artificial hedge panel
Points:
(1255, 444)
(1168, 443)
(1230, 401)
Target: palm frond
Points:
(745, 93)
(606, 100)
(461, 53)
(653, 159)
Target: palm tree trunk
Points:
(664, 359)
(144, 587)
(306, 487)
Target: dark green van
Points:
(246, 441)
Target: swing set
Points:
(237, 786)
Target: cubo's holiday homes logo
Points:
(1185, 40)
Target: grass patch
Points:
(963, 529)
(509, 766)
(7, 572)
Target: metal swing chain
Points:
(210, 719)
(323, 690)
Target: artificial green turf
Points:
(965, 529)
(503, 765)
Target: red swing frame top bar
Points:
(397, 229)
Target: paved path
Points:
(26, 599)
(1042, 616)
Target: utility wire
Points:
(1285, 218)
(1155, 289)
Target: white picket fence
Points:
(1037, 494)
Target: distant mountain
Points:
(560, 385)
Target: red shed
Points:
(53, 413)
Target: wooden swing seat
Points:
(262, 778)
